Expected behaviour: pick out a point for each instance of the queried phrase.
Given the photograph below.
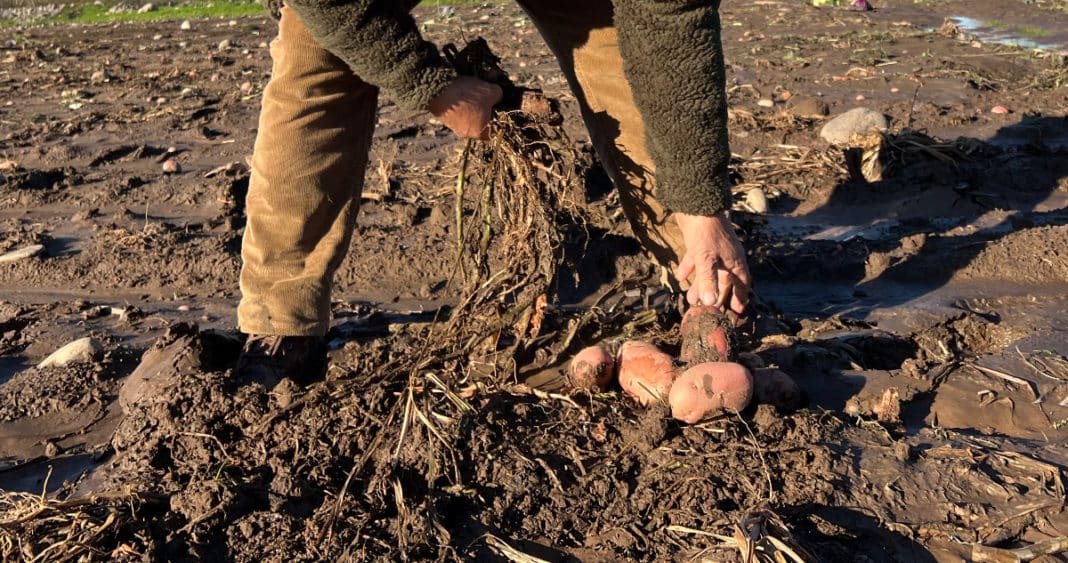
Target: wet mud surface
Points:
(919, 303)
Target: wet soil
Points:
(922, 312)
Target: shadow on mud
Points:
(843, 534)
(905, 235)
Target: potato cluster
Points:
(704, 383)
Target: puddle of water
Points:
(31, 476)
(1007, 35)
(9, 366)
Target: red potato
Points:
(645, 373)
(706, 335)
(775, 388)
(709, 389)
(592, 368)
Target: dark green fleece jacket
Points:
(672, 56)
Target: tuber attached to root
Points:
(706, 335)
(710, 389)
(645, 373)
(592, 368)
(775, 388)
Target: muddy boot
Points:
(268, 359)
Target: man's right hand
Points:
(715, 260)
(466, 106)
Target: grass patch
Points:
(1023, 30)
(92, 13)
(435, 3)
(86, 13)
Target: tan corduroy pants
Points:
(312, 148)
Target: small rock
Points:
(129, 314)
(895, 90)
(157, 37)
(8, 165)
(902, 451)
(757, 200)
(285, 391)
(85, 214)
(765, 103)
(98, 76)
(537, 105)
(96, 312)
(439, 217)
(52, 449)
(81, 350)
(149, 7)
(860, 97)
(977, 44)
(1000, 110)
(246, 88)
(171, 166)
(160, 101)
(185, 25)
(751, 361)
(785, 96)
(21, 253)
(183, 308)
(224, 45)
(809, 108)
(855, 121)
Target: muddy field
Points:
(916, 288)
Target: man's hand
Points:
(466, 106)
(716, 260)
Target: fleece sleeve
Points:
(379, 40)
(673, 59)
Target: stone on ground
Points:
(857, 121)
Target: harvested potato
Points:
(645, 373)
(710, 389)
(592, 368)
(775, 388)
(706, 335)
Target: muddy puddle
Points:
(921, 310)
(1020, 35)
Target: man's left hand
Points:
(715, 260)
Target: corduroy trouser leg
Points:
(307, 172)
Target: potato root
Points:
(645, 373)
(709, 389)
(775, 388)
(706, 335)
(592, 368)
